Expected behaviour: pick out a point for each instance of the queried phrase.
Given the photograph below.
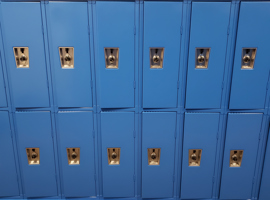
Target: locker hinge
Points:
(134, 84)
(4, 84)
(88, 30)
(134, 134)
(95, 177)
(93, 133)
(228, 30)
(47, 83)
(260, 135)
(222, 85)
(175, 134)
(253, 181)
(178, 83)
(217, 136)
(11, 134)
(134, 30)
(213, 179)
(134, 178)
(52, 133)
(91, 84)
(173, 178)
(181, 30)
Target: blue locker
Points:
(115, 29)
(72, 85)
(265, 181)
(209, 24)
(9, 181)
(117, 129)
(158, 131)
(200, 132)
(162, 22)
(34, 131)
(248, 88)
(242, 134)
(75, 129)
(3, 97)
(22, 27)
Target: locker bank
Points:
(135, 99)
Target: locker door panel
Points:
(22, 27)
(115, 29)
(248, 89)
(8, 174)
(200, 132)
(75, 130)
(3, 97)
(117, 132)
(34, 131)
(162, 22)
(73, 85)
(158, 131)
(242, 134)
(209, 24)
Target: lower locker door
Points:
(8, 174)
(75, 132)
(265, 183)
(242, 137)
(36, 153)
(199, 153)
(158, 146)
(117, 154)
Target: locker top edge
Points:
(135, 0)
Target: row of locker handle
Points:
(112, 56)
(154, 155)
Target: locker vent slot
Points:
(202, 57)
(73, 155)
(195, 157)
(66, 57)
(21, 55)
(111, 57)
(156, 58)
(153, 156)
(248, 58)
(33, 156)
(236, 158)
(113, 156)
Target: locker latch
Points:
(33, 156)
(195, 157)
(66, 57)
(248, 58)
(111, 57)
(202, 57)
(21, 55)
(236, 158)
(113, 156)
(73, 155)
(153, 156)
(156, 58)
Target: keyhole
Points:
(246, 59)
(194, 157)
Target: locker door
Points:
(208, 40)
(162, 22)
(115, 35)
(3, 97)
(9, 181)
(117, 133)
(248, 88)
(22, 29)
(265, 183)
(158, 132)
(72, 80)
(34, 131)
(75, 130)
(200, 134)
(242, 135)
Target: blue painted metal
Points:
(248, 90)
(243, 130)
(34, 130)
(162, 26)
(9, 182)
(75, 129)
(158, 131)
(72, 86)
(3, 97)
(115, 28)
(28, 86)
(208, 30)
(117, 130)
(200, 132)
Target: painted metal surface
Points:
(242, 133)
(75, 130)
(158, 131)
(209, 24)
(28, 85)
(3, 97)
(161, 30)
(34, 131)
(248, 87)
(200, 132)
(72, 86)
(117, 131)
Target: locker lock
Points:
(236, 158)
(33, 156)
(153, 156)
(111, 57)
(195, 157)
(248, 58)
(113, 156)
(21, 57)
(202, 57)
(66, 57)
(156, 58)
(73, 155)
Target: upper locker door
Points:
(207, 53)
(9, 182)
(162, 25)
(69, 46)
(114, 38)
(251, 65)
(3, 97)
(25, 55)
(240, 154)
